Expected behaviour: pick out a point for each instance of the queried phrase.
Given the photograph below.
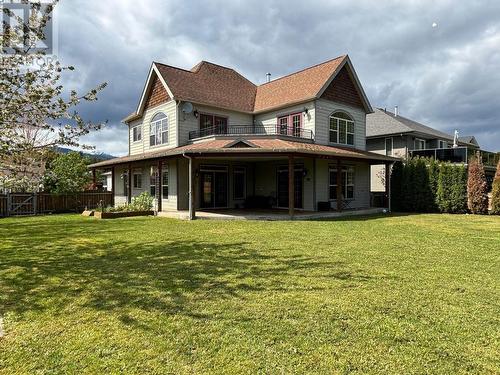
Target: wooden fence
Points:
(12, 204)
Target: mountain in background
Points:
(97, 156)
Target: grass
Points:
(399, 294)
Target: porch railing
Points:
(252, 130)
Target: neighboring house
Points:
(389, 133)
(209, 138)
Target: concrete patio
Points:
(271, 215)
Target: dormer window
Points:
(341, 129)
(158, 130)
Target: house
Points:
(389, 133)
(208, 138)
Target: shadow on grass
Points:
(50, 269)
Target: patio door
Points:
(283, 187)
(214, 187)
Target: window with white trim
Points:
(137, 133)
(152, 181)
(442, 144)
(347, 188)
(158, 130)
(164, 182)
(419, 144)
(137, 181)
(388, 146)
(341, 129)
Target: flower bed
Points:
(115, 215)
(141, 205)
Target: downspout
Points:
(190, 187)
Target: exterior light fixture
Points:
(195, 113)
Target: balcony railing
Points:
(238, 130)
(456, 155)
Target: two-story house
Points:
(208, 138)
(389, 133)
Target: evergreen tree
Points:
(433, 171)
(458, 189)
(443, 188)
(477, 190)
(495, 192)
(396, 186)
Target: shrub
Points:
(422, 193)
(477, 190)
(495, 192)
(143, 202)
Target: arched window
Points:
(341, 128)
(158, 129)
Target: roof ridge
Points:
(390, 114)
(171, 66)
(304, 69)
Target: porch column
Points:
(388, 184)
(339, 186)
(291, 185)
(129, 195)
(192, 188)
(113, 186)
(158, 185)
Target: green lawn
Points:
(400, 294)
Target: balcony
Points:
(251, 130)
(456, 155)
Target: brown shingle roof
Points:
(210, 84)
(296, 87)
(262, 145)
(218, 86)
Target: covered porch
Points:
(253, 179)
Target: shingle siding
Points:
(157, 95)
(342, 90)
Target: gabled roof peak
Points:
(305, 69)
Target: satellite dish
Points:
(187, 107)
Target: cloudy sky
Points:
(446, 76)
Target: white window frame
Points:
(137, 182)
(152, 180)
(164, 172)
(345, 171)
(442, 144)
(243, 171)
(158, 128)
(137, 133)
(336, 123)
(419, 140)
(392, 146)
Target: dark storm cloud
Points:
(445, 76)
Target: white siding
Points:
(324, 108)
(188, 122)
(271, 118)
(169, 109)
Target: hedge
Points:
(424, 185)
